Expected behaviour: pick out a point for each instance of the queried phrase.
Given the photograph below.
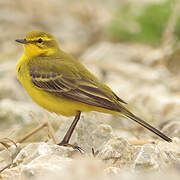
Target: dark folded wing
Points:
(77, 89)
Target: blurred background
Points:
(131, 45)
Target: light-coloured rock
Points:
(8, 155)
(117, 159)
(40, 160)
(148, 157)
(36, 150)
(112, 171)
(47, 166)
(12, 111)
(162, 155)
(117, 152)
(45, 161)
(172, 150)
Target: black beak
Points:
(23, 41)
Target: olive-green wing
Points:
(67, 80)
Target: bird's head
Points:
(38, 43)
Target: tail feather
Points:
(147, 126)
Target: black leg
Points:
(65, 141)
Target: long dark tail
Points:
(146, 125)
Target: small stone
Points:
(112, 171)
(117, 152)
(34, 150)
(157, 156)
(47, 166)
(147, 157)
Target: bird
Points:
(61, 84)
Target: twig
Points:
(35, 117)
(47, 124)
(32, 132)
(138, 142)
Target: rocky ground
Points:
(145, 77)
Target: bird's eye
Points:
(39, 40)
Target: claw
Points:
(79, 149)
(73, 146)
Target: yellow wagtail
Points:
(59, 83)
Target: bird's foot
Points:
(72, 146)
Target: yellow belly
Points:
(59, 105)
(56, 104)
